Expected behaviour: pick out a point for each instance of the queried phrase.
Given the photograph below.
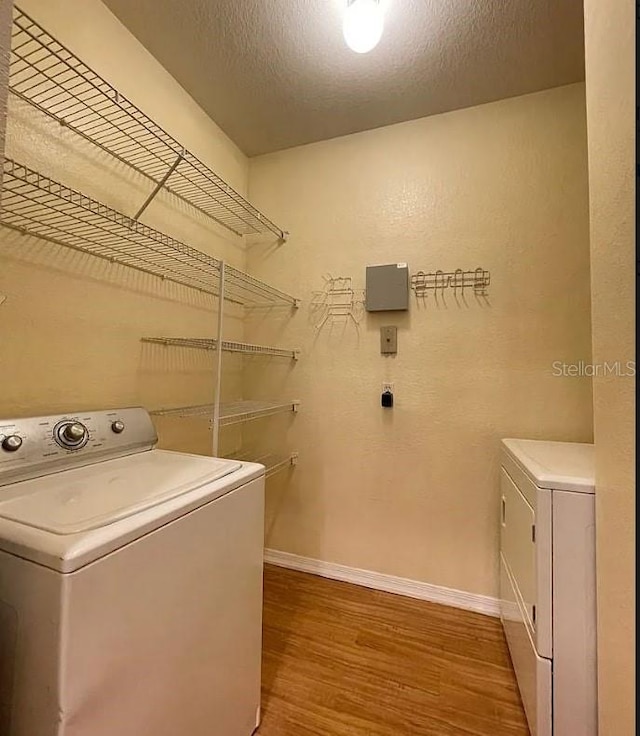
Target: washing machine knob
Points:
(74, 432)
(12, 443)
(71, 435)
(117, 426)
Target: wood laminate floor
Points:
(342, 660)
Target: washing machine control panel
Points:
(35, 446)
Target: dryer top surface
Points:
(560, 466)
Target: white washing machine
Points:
(130, 582)
(547, 582)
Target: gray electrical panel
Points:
(387, 288)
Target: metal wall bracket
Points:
(159, 186)
(478, 280)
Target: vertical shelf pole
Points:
(216, 403)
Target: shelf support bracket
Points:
(159, 186)
(216, 406)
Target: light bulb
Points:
(363, 25)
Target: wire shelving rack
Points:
(234, 412)
(273, 462)
(47, 75)
(35, 204)
(202, 343)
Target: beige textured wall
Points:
(71, 325)
(610, 95)
(413, 491)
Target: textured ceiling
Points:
(277, 73)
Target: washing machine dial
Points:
(71, 435)
(12, 443)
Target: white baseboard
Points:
(389, 583)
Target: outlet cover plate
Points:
(389, 340)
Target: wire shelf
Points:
(245, 289)
(34, 204)
(50, 77)
(233, 412)
(202, 343)
(273, 463)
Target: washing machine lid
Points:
(562, 466)
(96, 495)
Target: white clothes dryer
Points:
(547, 581)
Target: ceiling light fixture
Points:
(363, 25)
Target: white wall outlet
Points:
(387, 387)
